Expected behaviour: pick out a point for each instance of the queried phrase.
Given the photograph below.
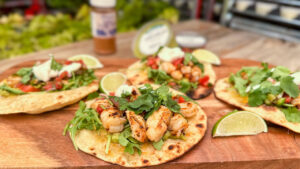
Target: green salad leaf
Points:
(158, 76)
(85, 118)
(186, 86)
(78, 80)
(25, 73)
(55, 65)
(129, 142)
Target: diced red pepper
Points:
(29, 88)
(204, 81)
(181, 99)
(112, 93)
(188, 50)
(99, 109)
(178, 61)
(154, 66)
(63, 75)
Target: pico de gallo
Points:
(49, 76)
(178, 69)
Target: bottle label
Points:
(153, 38)
(103, 24)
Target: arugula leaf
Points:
(108, 143)
(25, 73)
(292, 114)
(288, 86)
(158, 76)
(256, 98)
(83, 79)
(85, 118)
(55, 65)
(92, 96)
(8, 89)
(158, 145)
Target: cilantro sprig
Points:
(127, 141)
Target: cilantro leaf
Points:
(187, 58)
(129, 142)
(142, 103)
(292, 114)
(25, 73)
(280, 71)
(239, 84)
(256, 98)
(92, 95)
(197, 63)
(288, 86)
(55, 65)
(158, 76)
(158, 145)
(186, 86)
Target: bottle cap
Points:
(103, 3)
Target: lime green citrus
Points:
(112, 81)
(239, 123)
(90, 61)
(206, 56)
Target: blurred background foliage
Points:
(71, 22)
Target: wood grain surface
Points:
(29, 141)
(225, 42)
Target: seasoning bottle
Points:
(103, 20)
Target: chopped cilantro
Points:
(158, 76)
(292, 114)
(26, 74)
(186, 86)
(256, 98)
(129, 142)
(55, 65)
(92, 95)
(288, 86)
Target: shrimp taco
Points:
(46, 86)
(272, 93)
(175, 68)
(138, 127)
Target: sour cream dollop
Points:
(123, 89)
(43, 72)
(168, 54)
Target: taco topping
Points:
(48, 76)
(144, 115)
(179, 70)
(269, 86)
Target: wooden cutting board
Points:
(28, 141)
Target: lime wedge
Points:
(206, 56)
(296, 77)
(239, 123)
(112, 81)
(90, 61)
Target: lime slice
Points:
(90, 61)
(296, 77)
(239, 123)
(112, 81)
(206, 56)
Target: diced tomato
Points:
(154, 66)
(112, 93)
(81, 62)
(63, 75)
(68, 62)
(19, 85)
(288, 99)
(29, 88)
(48, 86)
(151, 61)
(204, 81)
(172, 83)
(58, 85)
(99, 109)
(181, 99)
(178, 61)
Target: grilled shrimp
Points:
(188, 109)
(104, 103)
(186, 69)
(196, 73)
(168, 67)
(177, 75)
(157, 123)
(177, 124)
(137, 125)
(112, 120)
